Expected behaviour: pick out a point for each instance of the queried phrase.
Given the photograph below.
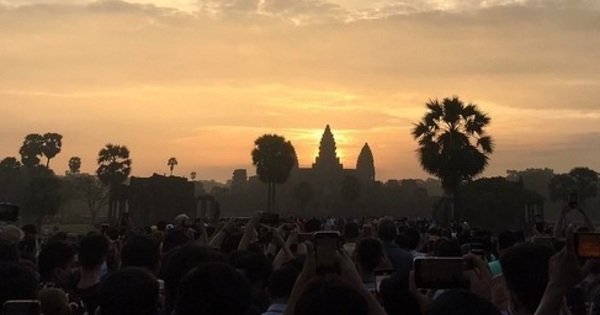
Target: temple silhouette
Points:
(325, 177)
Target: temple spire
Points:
(327, 158)
(365, 166)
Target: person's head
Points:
(369, 253)
(396, 297)
(57, 263)
(351, 231)
(17, 282)
(181, 220)
(214, 289)
(141, 251)
(525, 270)
(313, 225)
(330, 295)
(180, 261)
(54, 302)
(282, 282)
(458, 302)
(413, 237)
(255, 267)
(129, 291)
(93, 249)
(386, 230)
(444, 247)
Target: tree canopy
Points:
(453, 143)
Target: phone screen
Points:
(440, 273)
(326, 244)
(587, 245)
(22, 307)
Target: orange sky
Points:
(200, 80)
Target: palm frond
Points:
(486, 143)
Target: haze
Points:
(200, 80)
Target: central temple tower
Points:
(327, 161)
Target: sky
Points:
(200, 80)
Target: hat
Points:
(180, 219)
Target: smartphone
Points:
(326, 244)
(22, 307)
(587, 245)
(9, 212)
(270, 219)
(381, 275)
(440, 273)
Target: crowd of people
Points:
(244, 266)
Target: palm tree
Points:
(274, 159)
(74, 165)
(171, 163)
(52, 146)
(453, 144)
(114, 166)
(32, 148)
(193, 175)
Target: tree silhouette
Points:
(580, 180)
(274, 158)
(52, 146)
(9, 164)
(32, 149)
(453, 144)
(92, 192)
(172, 162)
(114, 166)
(193, 175)
(74, 165)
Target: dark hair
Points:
(29, 229)
(129, 291)
(141, 251)
(56, 254)
(525, 270)
(386, 230)
(369, 253)
(255, 267)
(214, 289)
(396, 297)
(351, 230)
(282, 282)
(458, 302)
(18, 282)
(413, 237)
(93, 249)
(446, 248)
(8, 251)
(330, 295)
(506, 239)
(312, 225)
(179, 262)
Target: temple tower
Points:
(365, 166)
(327, 161)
